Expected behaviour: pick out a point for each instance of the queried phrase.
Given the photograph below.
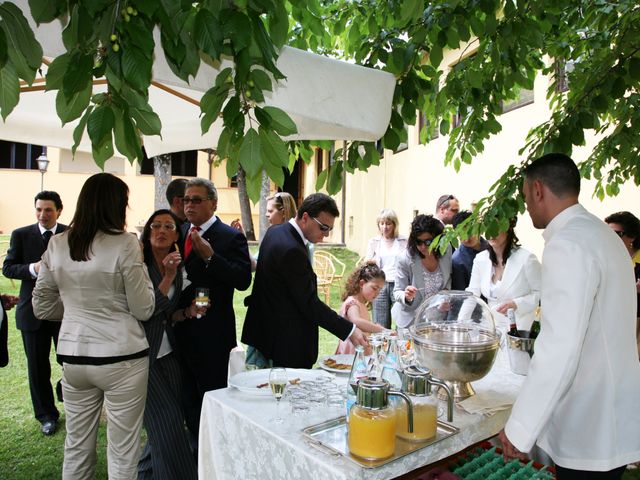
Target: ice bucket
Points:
(520, 353)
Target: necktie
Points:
(46, 236)
(187, 242)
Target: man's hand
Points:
(357, 337)
(36, 266)
(506, 306)
(509, 451)
(200, 246)
(9, 301)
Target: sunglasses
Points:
(620, 233)
(426, 243)
(167, 226)
(323, 227)
(194, 200)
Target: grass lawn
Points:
(26, 454)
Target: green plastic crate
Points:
(486, 463)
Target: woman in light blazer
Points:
(384, 250)
(507, 276)
(420, 272)
(93, 278)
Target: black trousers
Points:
(37, 347)
(568, 474)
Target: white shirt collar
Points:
(52, 229)
(295, 225)
(206, 225)
(561, 219)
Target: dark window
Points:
(525, 97)
(21, 156)
(233, 181)
(183, 164)
(319, 160)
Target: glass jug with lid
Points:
(417, 384)
(372, 422)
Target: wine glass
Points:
(202, 297)
(278, 383)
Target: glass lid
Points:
(454, 317)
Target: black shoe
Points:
(49, 427)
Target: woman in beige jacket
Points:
(93, 279)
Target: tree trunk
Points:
(245, 206)
(162, 175)
(264, 193)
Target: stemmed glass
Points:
(278, 383)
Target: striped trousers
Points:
(381, 310)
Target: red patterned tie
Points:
(187, 243)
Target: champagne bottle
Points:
(513, 327)
(358, 372)
(535, 326)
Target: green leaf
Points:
(249, 154)
(70, 108)
(224, 143)
(435, 56)
(274, 149)
(411, 9)
(147, 122)
(9, 90)
(45, 11)
(56, 71)
(102, 152)
(321, 180)
(78, 74)
(136, 68)
(22, 48)
(126, 138)
(100, 124)
(211, 105)
(238, 29)
(335, 178)
(140, 35)
(4, 55)
(254, 186)
(262, 117)
(261, 79)
(281, 122)
(634, 68)
(279, 25)
(208, 34)
(78, 132)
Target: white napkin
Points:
(488, 402)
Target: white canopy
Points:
(326, 98)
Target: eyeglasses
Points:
(167, 226)
(323, 227)
(620, 233)
(426, 243)
(444, 199)
(194, 200)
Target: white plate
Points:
(344, 358)
(247, 382)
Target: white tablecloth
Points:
(238, 441)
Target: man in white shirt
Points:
(580, 400)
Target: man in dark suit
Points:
(216, 257)
(23, 262)
(174, 194)
(284, 309)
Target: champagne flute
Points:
(278, 383)
(202, 298)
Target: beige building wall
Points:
(411, 181)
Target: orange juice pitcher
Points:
(372, 422)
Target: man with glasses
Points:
(446, 208)
(579, 401)
(216, 257)
(284, 311)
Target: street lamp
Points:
(43, 164)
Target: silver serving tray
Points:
(332, 436)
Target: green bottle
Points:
(535, 326)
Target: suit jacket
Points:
(229, 269)
(579, 401)
(409, 271)
(284, 309)
(160, 321)
(100, 301)
(520, 283)
(26, 247)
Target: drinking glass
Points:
(278, 383)
(202, 297)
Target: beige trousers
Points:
(122, 387)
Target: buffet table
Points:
(237, 439)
